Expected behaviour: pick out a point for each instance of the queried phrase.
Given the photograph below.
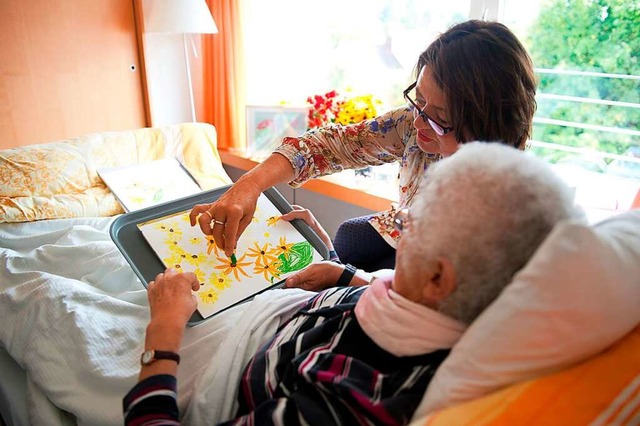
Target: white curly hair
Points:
(487, 208)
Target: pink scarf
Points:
(403, 327)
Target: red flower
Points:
(323, 109)
(264, 124)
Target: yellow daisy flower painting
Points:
(268, 250)
(174, 260)
(282, 247)
(172, 229)
(211, 245)
(195, 259)
(220, 281)
(262, 254)
(200, 275)
(273, 220)
(229, 267)
(268, 270)
(208, 296)
(193, 244)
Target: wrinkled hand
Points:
(300, 212)
(316, 277)
(227, 218)
(170, 298)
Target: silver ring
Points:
(219, 222)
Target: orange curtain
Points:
(224, 75)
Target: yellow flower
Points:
(282, 247)
(175, 265)
(234, 268)
(209, 296)
(273, 220)
(193, 243)
(172, 230)
(159, 225)
(173, 245)
(177, 258)
(357, 109)
(172, 260)
(261, 254)
(211, 245)
(195, 259)
(267, 269)
(220, 281)
(200, 275)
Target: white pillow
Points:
(578, 294)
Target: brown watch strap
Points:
(148, 357)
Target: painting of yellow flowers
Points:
(268, 251)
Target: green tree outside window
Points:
(601, 36)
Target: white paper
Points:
(269, 250)
(148, 184)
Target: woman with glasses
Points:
(474, 82)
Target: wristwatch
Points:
(150, 356)
(347, 274)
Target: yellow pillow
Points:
(602, 390)
(60, 180)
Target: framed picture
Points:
(268, 125)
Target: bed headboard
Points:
(52, 86)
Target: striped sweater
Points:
(319, 368)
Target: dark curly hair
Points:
(488, 80)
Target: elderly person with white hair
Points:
(366, 354)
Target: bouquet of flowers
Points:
(333, 108)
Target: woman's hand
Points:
(227, 217)
(300, 212)
(170, 298)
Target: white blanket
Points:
(74, 315)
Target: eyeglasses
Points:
(438, 128)
(401, 220)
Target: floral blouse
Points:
(384, 139)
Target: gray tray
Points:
(146, 264)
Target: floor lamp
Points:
(180, 17)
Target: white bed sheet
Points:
(13, 391)
(74, 316)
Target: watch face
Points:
(147, 357)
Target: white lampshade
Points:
(178, 16)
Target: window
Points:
(588, 119)
(585, 51)
(300, 48)
(296, 49)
